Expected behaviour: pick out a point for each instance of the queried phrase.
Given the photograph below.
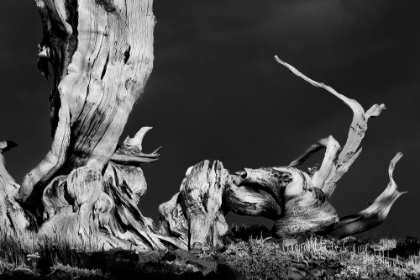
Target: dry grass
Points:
(261, 257)
(250, 250)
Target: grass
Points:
(249, 250)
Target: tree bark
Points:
(337, 161)
(194, 215)
(87, 188)
(296, 201)
(12, 216)
(372, 216)
(101, 53)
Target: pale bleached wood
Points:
(283, 194)
(313, 149)
(195, 215)
(13, 219)
(337, 162)
(102, 207)
(257, 192)
(372, 216)
(295, 200)
(102, 56)
(130, 151)
(86, 207)
(306, 207)
(88, 186)
(201, 200)
(173, 222)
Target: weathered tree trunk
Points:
(87, 188)
(194, 215)
(101, 53)
(295, 200)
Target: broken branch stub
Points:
(130, 152)
(194, 216)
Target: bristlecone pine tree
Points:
(88, 187)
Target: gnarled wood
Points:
(201, 198)
(102, 56)
(87, 188)
(89, 207)
(173, 222)
(306, 207)
(130, 152)
(202, 221)
(283, 194)
(257, 192)
(295, 200)
(13, 218)
(336, 161)
(372, 216)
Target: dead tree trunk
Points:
(297, 201)
(87, 187)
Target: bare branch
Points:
(337, 165)
(372, 216)
(313, 149)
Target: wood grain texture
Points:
(257, 192)
(13, 218)
(87, 188)
(283, 194)
(297, 201)
(102, 58)
(173, 222)
(372, 216)
(336, 160)
(306, 207)
(195, 214)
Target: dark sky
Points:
(217, 93)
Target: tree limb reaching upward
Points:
(296, 201)
(88, 186)
(336, 161)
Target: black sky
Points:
(217, 93)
